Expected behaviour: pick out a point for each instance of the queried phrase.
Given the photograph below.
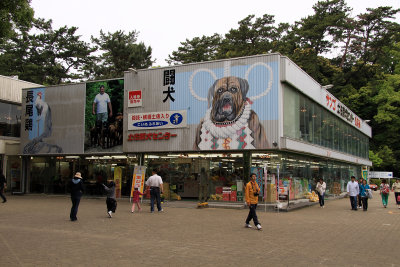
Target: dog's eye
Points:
(233, 89)
(220, 90)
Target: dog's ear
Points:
(211, 94)
(244, 87)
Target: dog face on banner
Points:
(229, 122)
(227, 97)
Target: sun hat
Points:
(78, 175)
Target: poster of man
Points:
(103, 116)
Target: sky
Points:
(164, 24)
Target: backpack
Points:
(385, 189)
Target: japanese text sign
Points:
(336, 106)
(135, 98)
(157, 120)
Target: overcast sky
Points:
(164, 24)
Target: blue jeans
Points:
(74, 208)
(353, 201)
(155, 195)
(321, 199)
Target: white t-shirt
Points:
(353, 188)
(101, 101)
(154, 181)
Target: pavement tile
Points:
(36, 231)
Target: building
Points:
(10, 128)
(221, 120)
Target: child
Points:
(135, 199)
(111, 201)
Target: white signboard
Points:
(381, 175)
(135, 98)
(157, 120)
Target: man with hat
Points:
(76, 187)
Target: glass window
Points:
(184, 174)
(304, 127)
(291, 110)
(307, 121)
(10, 119)
(317, 127)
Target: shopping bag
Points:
(398, 198)
(369, 193)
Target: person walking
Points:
(203, 186)
(384, 189)
(353, 191)
(396, 190)
(155, 184)
(364, 188)
(321, 188)
(136, 199)
(76, 187)
(3, 185)
(359, 201)
(251, 195)
(111, 201)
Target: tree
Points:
(324, 28)
(14, 14)
(376, 160)
(120, 52)
(197, 49)
(46, 57)
(250, 38)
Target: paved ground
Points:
(36, 231)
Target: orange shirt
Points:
(251, 188)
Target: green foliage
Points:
(47, 56)
(14, 15)
(120, 52)
(198, 49)
(376, 160)
(375, 181)
(250, 38)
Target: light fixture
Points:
(326, 87)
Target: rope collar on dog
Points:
(225, 123)
(227, 129)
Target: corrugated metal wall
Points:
(10, 88)
(192, 84)
(67, 104)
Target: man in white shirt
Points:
(353, 191)
(100, 104)
(155, 184)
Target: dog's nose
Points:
(226, 100)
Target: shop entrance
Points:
(185, 174)
(13, 174)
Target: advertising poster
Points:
(104, 116)
(157, 120)
(52, 120)
(135, 98)
(118, 181)
(138, 178)
(229, 105)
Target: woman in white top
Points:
(321, 188)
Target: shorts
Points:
(102, 116)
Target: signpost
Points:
(138, 179)
(278, 204)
